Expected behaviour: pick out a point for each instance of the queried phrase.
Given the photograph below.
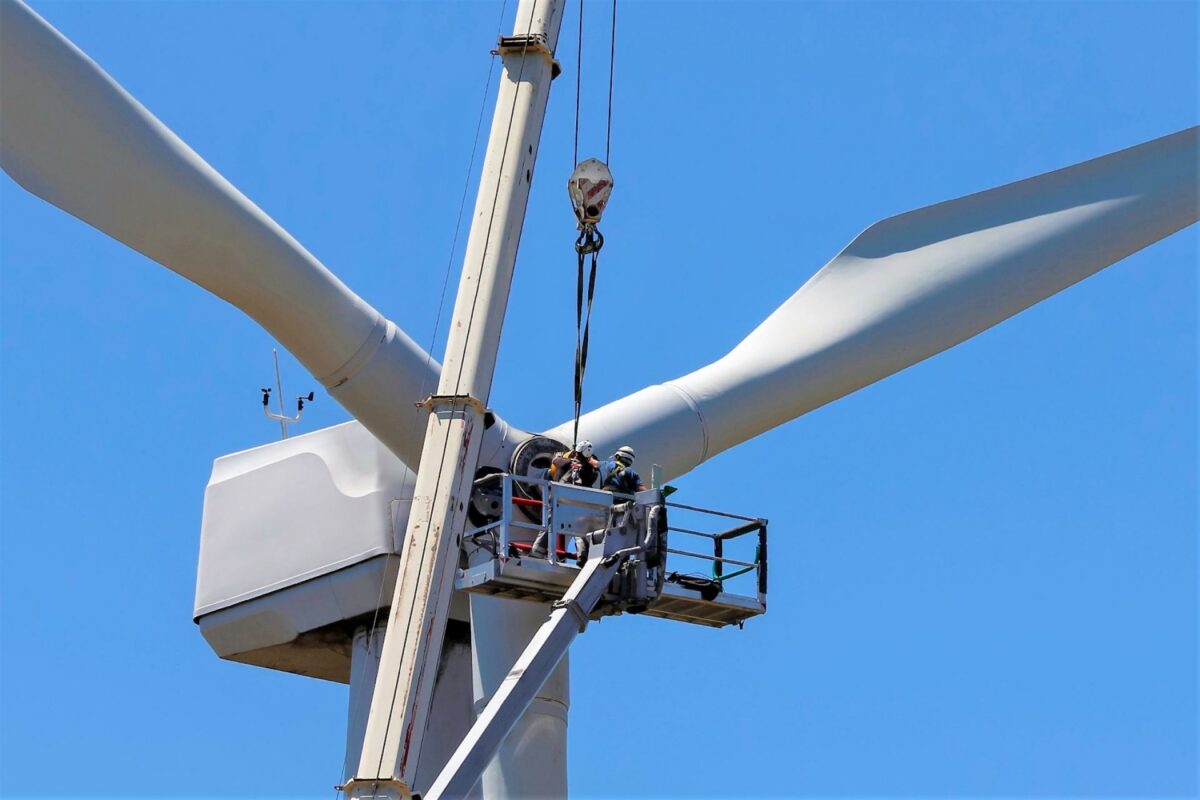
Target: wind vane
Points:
(283, 418)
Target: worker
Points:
(618, 475)
(578, 466)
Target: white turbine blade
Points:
(908, 288)
(72, 136)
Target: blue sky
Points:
(984, 569)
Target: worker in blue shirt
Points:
(618, 475)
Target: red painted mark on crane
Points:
(462, 459)
(412, 716)
(598, 187)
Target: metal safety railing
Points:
(541, 499)
(718, 561)
(548, 504)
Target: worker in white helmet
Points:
(578, 466)
(617, 475)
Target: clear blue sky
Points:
(984, 572)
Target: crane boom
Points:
(456, 413)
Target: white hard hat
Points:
(625, 453)
(585, 448)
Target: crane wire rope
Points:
(466, 339)
(612, 64)
(590, 240)
(578, 85)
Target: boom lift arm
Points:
(624, 569)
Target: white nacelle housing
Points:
(298, 539)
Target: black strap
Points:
(590, 241)
(578, 364)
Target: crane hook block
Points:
(589, 187)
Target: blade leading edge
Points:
(74, 137)
(908, 288)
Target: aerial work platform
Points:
(508, 555)
(591, 554)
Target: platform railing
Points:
(500, 532)
(718, 560)
(497, 536)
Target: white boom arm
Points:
(417, 619)
(632, 531)
(567, 620)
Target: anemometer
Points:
(284, 419)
